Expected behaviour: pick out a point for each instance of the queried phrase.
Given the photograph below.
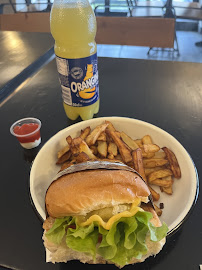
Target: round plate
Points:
(176, 206)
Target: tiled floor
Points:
(189, 52)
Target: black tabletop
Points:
(166, 94)
(19, 50)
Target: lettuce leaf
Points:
(130, 244)
(83, 239)
(125, 240)
(58, 230)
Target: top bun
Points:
(82, 192)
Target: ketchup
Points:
(26, 129)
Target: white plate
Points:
(176, 206)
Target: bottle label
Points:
(79, 80)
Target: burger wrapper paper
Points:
(93, 165)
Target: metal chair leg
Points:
(12, 5)
(149, 50)
(129, 7)
(177, 49)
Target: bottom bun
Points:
(61, 253)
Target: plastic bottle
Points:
(73, 26)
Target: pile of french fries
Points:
(158, 166)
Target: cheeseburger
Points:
(101, 216)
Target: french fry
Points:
(123, 149)
(159, 174)
(110, 126)
(112, 149)
(92, 137)
(63, 151)
(102, 148)
(155, 195)
(109, 160)
(74, 150)
(118, 134)
(110, 156)
(69, 140)
(158, 210)
(82, 157)
(76, 141)
(85, 133)
(173, 162)
(168, 178)
(160, 154)
(139, 143)
(67, 164)
(131, 164)
(138, 163)
(147, 155)
(118, 157)
(150, 170)
(147, 139)
(151, 148)
(64, 158)
(167, 190)
(75, 146)
(102, 137)
(83, 147)
(154, 162)
(148, 148)
(130, 142)
(93, 148)
(162, 183)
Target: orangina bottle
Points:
(73, 26)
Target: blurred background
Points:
(187, 15)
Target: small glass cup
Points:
(27, 131)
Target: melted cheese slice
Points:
(107, 225)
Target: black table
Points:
(166, 94)
(21, 50)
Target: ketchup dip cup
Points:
(27, 131)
